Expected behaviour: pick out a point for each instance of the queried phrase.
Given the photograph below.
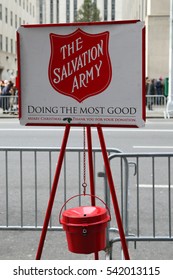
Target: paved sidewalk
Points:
(22, 245)
(156, 112)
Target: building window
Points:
(6, 44)
(51, 11)
(0, 11)
(40, 12)
(67, 10)
(11, 45)
(113, 10)
(6, 15)
(75, 10)
(23, 4)
(11, 18)
(1, 47)
(15, 21)
(57, 11)
(15, 46)
(30, 9)
(27, 5)
(105, 9)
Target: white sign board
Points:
(82, 74)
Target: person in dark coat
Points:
(151, 91)
(1, 88)
(159, 90)
(6, 96)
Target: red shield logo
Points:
(80, 65)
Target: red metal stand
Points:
(53, 192)
(92, 188)
(91, 174)
(113, 193)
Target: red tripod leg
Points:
(113, 193)
(53, 192)
(90, 163)
(91, 173)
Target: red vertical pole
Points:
(90, 161)
(91, 173)
(113, 193)
(53, 192)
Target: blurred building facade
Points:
(156, 14)
(60, 11)
(13, 13)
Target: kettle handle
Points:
(77, 195)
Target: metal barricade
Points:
(9, 104)
(143, 185)
(149, 208)
(156, 106)
(26, 179)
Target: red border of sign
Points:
(81, 24)
(143, 75)
(18, 74)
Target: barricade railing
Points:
(155, 104)
(26, 179)
(9, 104)
(149, 208)
(143, 185)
